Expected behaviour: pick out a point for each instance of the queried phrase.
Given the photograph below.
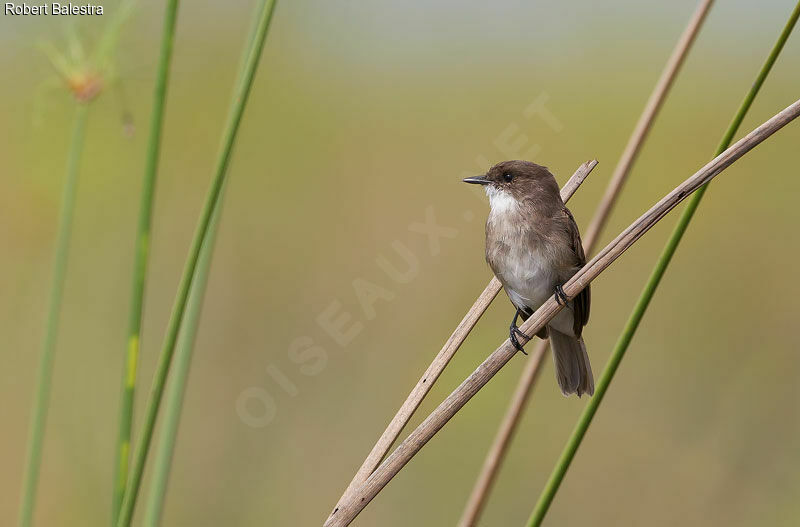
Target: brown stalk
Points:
(358, 499)
(444, 356)
(508, 426)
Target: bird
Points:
(533, 246)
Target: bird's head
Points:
(511, 182)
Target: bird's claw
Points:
(561, 297)
(513, 332)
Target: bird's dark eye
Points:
(507, 177)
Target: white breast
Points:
(527, 271)
(530, 281)
(529, 277)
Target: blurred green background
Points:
(363, 119)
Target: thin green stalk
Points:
(176, 318)
(177, 384)
(45, 374)
(550, 489)
(183, 354)
(141, 251)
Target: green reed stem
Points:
(141, 250)
(183, 354)
(44, 377)
(176, 317)
(177, 384)
(550, 489)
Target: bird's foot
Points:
(561, 297)
(513, 332)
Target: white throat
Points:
(501, 201)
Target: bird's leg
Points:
(513, 331)
(561, 297)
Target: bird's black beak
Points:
(477, 180)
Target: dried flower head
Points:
(84, 74)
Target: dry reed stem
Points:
(357, 500)
(444, 356)
(496, 454)
(502, 440)
(645, 121)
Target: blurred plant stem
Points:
(44, 377)
(238, 105)
(141, 250)
(177, 384)
(548, 493)
(185, 346)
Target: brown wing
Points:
(583, 300)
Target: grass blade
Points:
(176, 317)
(549, 492)
(177, 383)
(141, 251)
(41, 403)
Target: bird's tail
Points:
(573, 371)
